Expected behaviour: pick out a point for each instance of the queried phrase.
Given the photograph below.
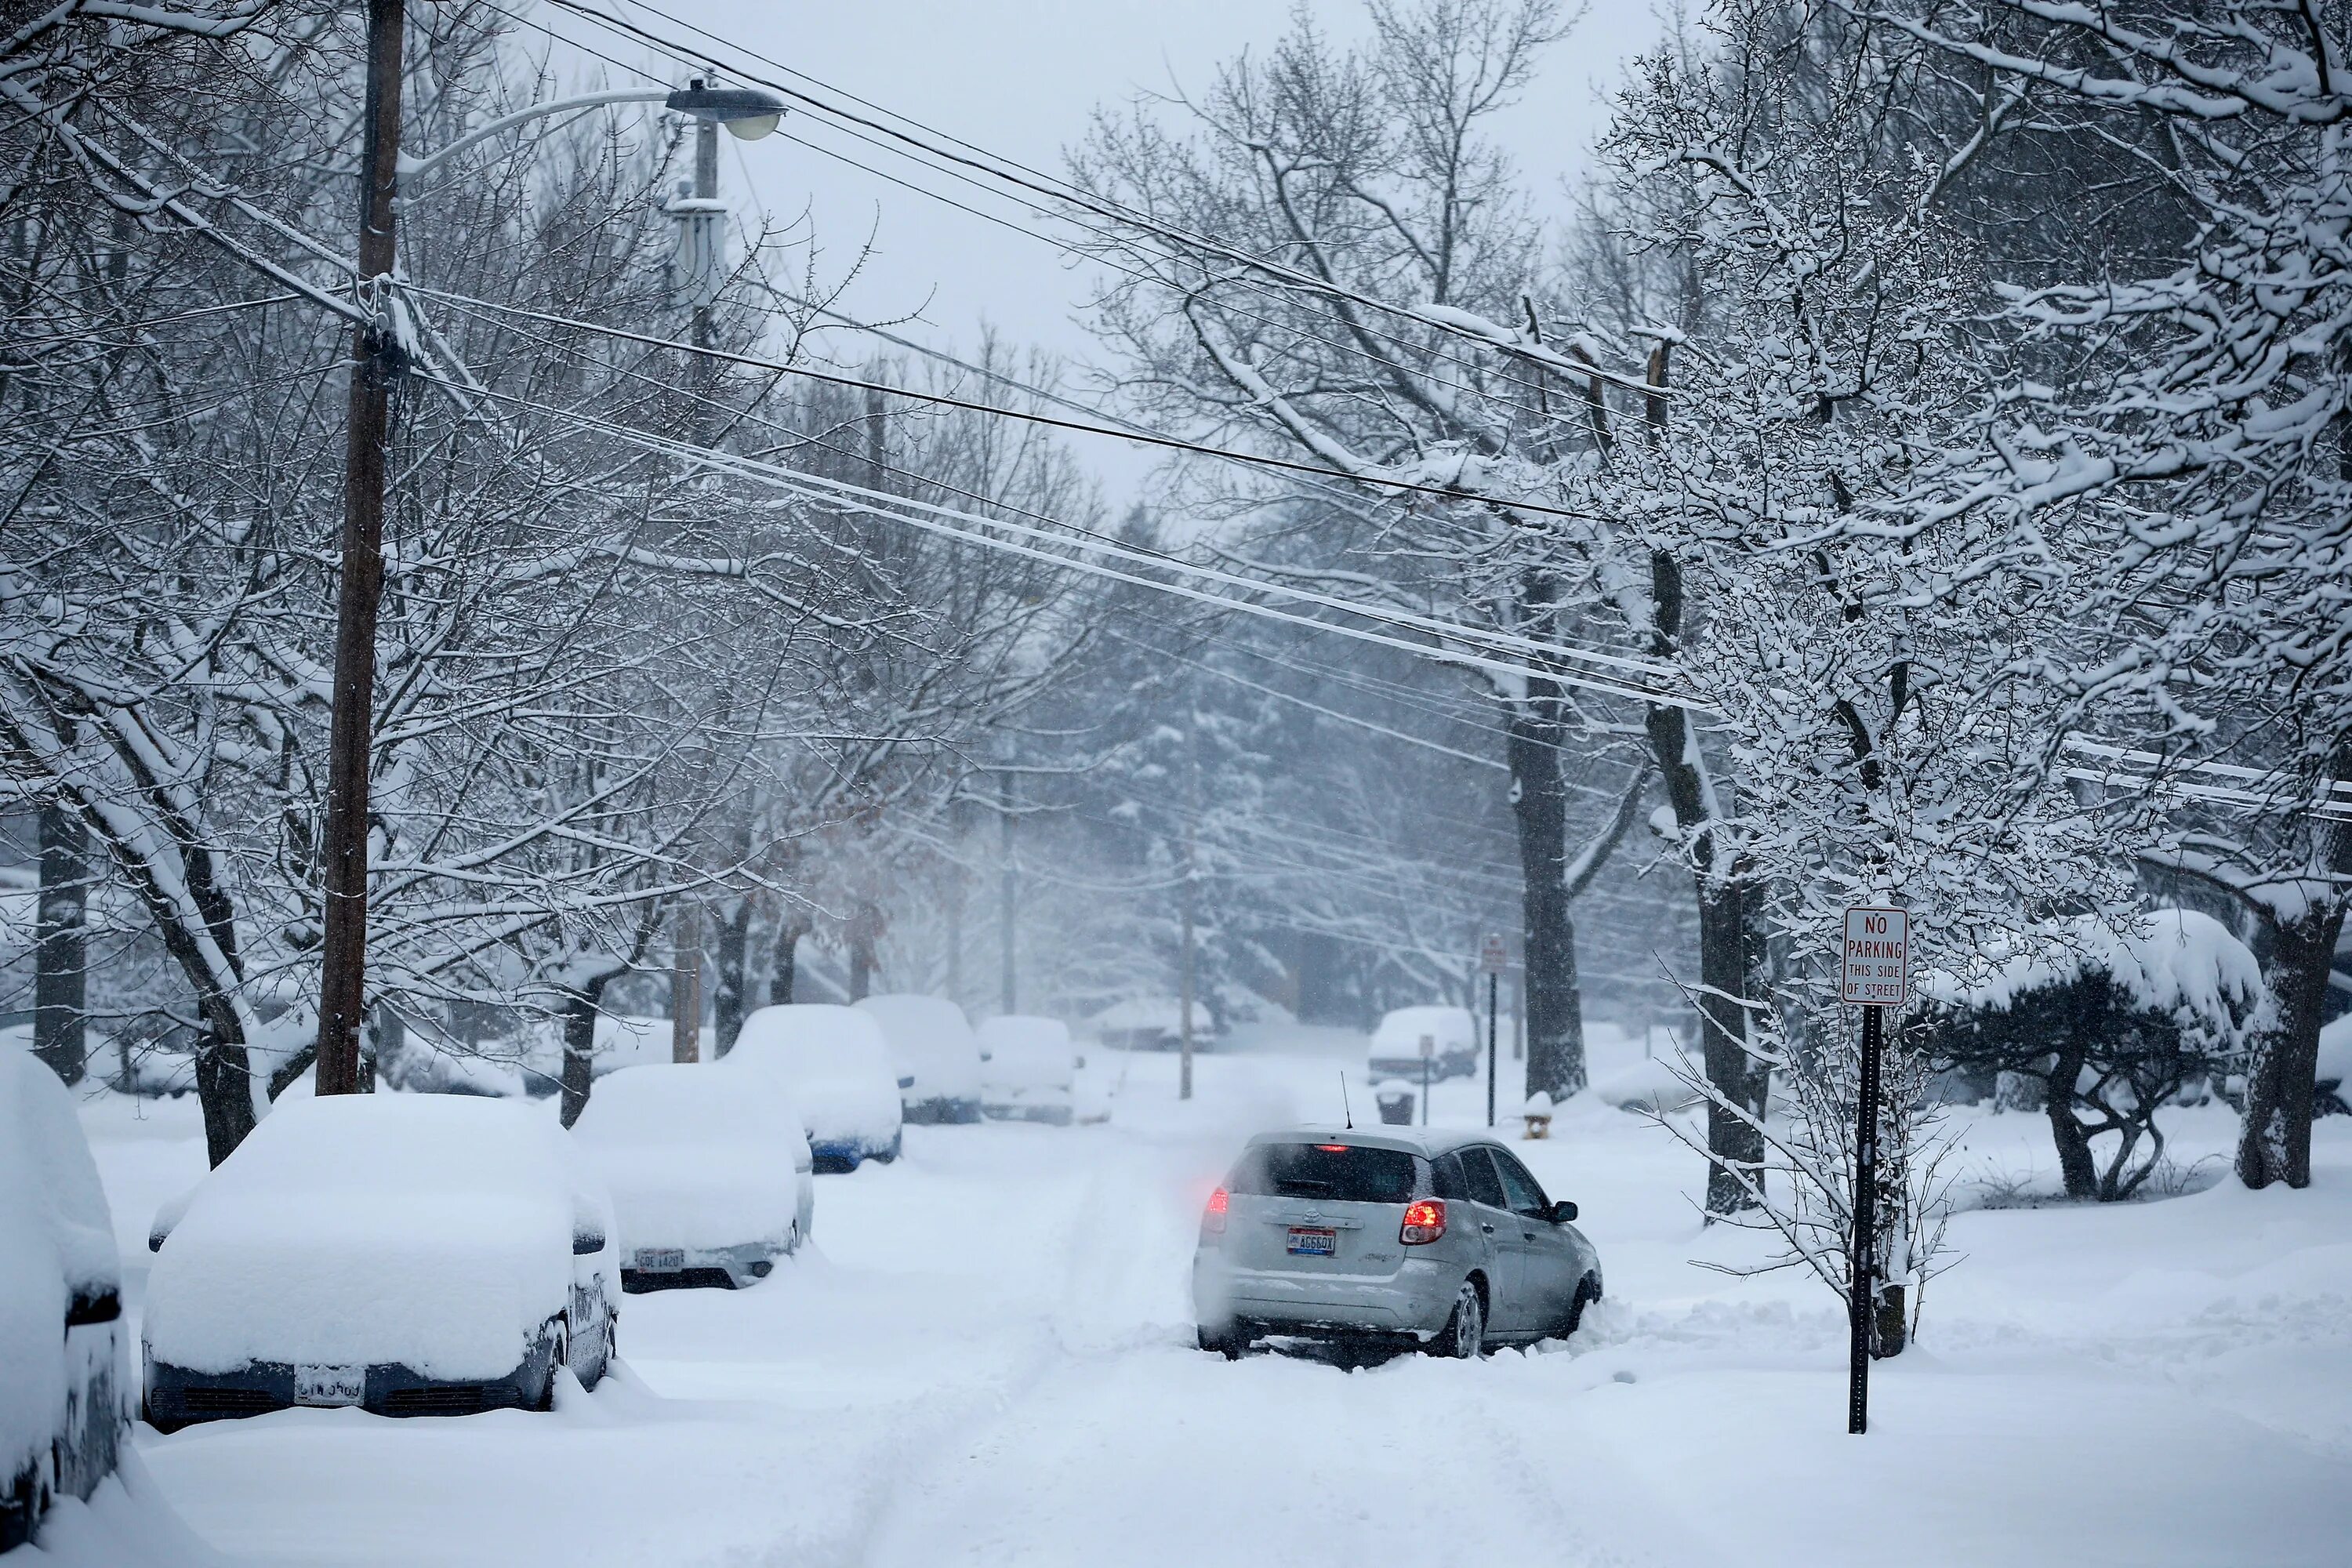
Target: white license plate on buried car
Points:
(330, 1384)
(661, 1259)
(1309, 1241)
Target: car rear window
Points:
(1337, 1172)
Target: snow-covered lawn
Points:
(986, 1358)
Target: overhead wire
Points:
(1021, 176)
(1433, 625)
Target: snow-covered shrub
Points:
(2110, 1026)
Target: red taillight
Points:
(1333, 1148)
(1214, 1218)
(1424, 1222)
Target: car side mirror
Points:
(167, 1217)
(1562, 1211)
(586, 1243)
(99, 1304)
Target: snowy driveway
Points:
(989, 1362)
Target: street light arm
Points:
(417, 168)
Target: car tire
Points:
(1227, 1343)
(1464, 1337)
(559, 1352)
(1586, 1294)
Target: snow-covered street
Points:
(988, 1359)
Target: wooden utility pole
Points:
(1185, 992)
(376, 369)
(686, 987)
(1008, 901)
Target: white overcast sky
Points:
(1021, 78)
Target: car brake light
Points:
(1424, 1222)
(1214, 1219)
(1333, 1148)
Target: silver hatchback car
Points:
(1423, 1236)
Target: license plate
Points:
(662, 1259)
(330, 1384)
(1309, 1242)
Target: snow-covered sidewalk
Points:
(986, 1358)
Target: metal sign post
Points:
(1876, 974)
(1428, 1054)
(1494, 958)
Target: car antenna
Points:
(1344, 1108)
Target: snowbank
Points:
(431, 1231)
(835, 1063)
(57, 1245)
(695, 1156)
(931, 1041)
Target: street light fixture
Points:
(745, 112)
(378, 366)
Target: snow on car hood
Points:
(431, 1231)
(677, 1195)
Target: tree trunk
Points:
(1730, 938)
(580, 1008)
(60, 978)
(790, 929)
(2075, 1166)
(862, 927)
(1540, 807)
(2274, 1141)
(731, 960)
(224, 1091)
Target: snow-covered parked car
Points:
(1028, 1069)
(835, 1064)
(413, 1255)
(62, 1363)
(1451, 1031)
(708, 1172)
(932, 1042)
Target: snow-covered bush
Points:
(2113, 1024)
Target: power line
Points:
(1504, 641)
